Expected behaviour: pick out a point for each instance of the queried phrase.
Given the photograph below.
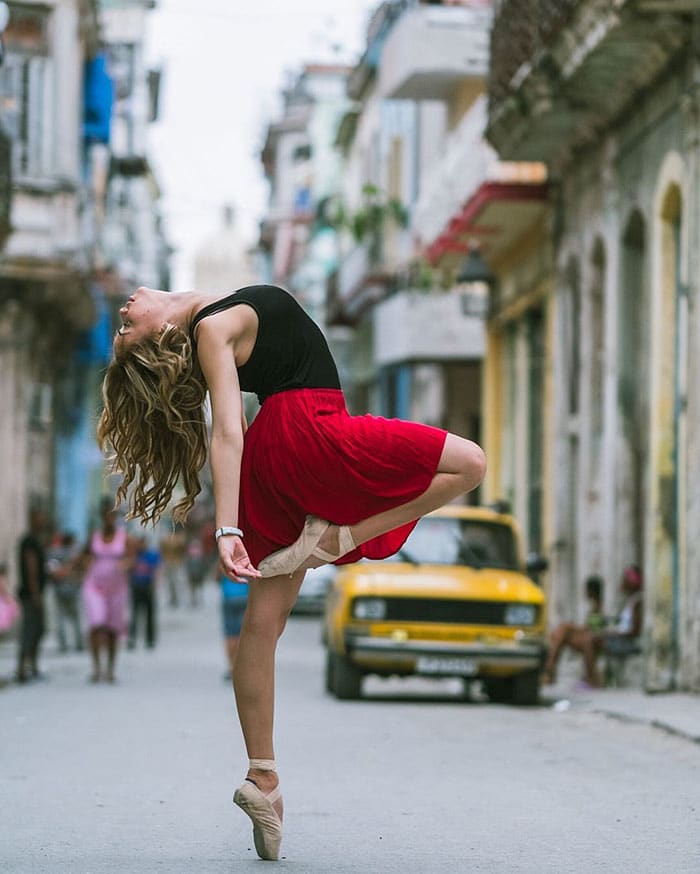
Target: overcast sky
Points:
(223, 66)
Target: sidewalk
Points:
(675, 712)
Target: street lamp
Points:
(475, 280)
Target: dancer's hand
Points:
(234, 559)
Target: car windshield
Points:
(469, 542)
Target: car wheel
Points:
(499, 689)
(345, 677)
(330, 673)
(526, 688)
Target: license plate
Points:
(446, 665)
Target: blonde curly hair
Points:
(153, 419)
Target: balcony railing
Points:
(433, 49)
(563, 69)
(468, 161)
(521, 29)
(427, 326)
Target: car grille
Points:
(448, 611)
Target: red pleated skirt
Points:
(305, 454)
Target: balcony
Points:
(363, 280)
(563, 69)
(470, 194)
(426, 327)
(467, 161)
(432, 49)
(380, 25)
(45, 224)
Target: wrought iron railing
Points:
(521, 30)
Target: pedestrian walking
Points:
(173, 553)
(32, 582)
(196, 568)
(64, 564)
(234, 599)
(142, 584)
(106, 593)
(9, 608)
(307, 483)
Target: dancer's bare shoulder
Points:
(235, 327)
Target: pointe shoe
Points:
(345, 545)
(291, 558)
(287, 560)
(267, 823)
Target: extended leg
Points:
(269, 604)
(231, 647)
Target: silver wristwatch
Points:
(226, 530)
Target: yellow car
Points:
(455, 601)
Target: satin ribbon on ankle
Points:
(262, 764)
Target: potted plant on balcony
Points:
(370, 221)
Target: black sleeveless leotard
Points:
(290, 350)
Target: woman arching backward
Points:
(306, 484)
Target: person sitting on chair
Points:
(580, 638)
(622, 638)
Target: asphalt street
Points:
(138, 777)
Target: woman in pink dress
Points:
(106, 592)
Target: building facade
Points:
(416, 343)
(45, 296)
(59, 279)
(606, 95)
(303, 170)
(123, 233)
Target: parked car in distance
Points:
(312, 595)
(455, 601)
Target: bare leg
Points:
(461, 468)
(110, 637)
(269, 604)
(587, 646)
(560, 637)
(231, 644)
(95, 647)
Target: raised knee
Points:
(474, 469)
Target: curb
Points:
(659, 724)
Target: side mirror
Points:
(536, 563)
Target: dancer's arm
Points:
(216, 357)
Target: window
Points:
(25, 81)
(597, 340)
(468, 542)
(571, 334)
(302, 153)
(536, 344)
(24, 85)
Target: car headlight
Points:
(369, 608)
(520, 614)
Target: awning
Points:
(498, 213)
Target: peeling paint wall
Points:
(629, 458)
